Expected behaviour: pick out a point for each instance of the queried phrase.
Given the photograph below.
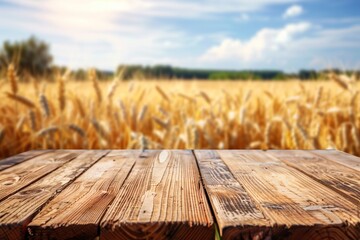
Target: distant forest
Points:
(173, 73)
(32, 57)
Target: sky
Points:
(229, 34)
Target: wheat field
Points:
(178, 114)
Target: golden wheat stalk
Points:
(20, 123)
(318, 116)
(61, 93)
(161, 123)
(32, 118)
(46, 131)
(162, 93)
(20, 99)
(205, 97)
(112, 88)
(142, 113)
(75, 128)
(318, 96)
(191, 99)
(339, 81)
(99, 129)
(44, 105)
(79, 106)
(94, 80)
(11, 74)
(2, 134)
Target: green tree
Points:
(30, 56)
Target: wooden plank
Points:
(19, 176)
(19, 158)
(296, 204)
(236, 213)
(17, 210)
(76, 212)
(340, 157)
(162, 198)
(338, 177)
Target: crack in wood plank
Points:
(160, 200)
(19, 209)
(77, 211)
(19, 158)
(21, 175)
(296, 205)
(132, 194)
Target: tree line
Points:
(169, 72)
(33, 57)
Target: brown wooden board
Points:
(17, 210)
(76, 212)
(297, 206)
(162, 198)
(159, 194)
(340, 178)
(340, 157)
(21, 175)
(19, 158)
(236, 213)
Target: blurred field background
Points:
(235, 74)
(148, 114)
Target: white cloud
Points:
(154, 8)
(293, 11)
(81, 30)
(105, 33)
(92, 33)
(260, 47)
(289, 48)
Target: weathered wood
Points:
(154, 194)
(316, 232)
(340, 157)
(293, 202)
(19, 158)
(162, 198)
(21, 175)
(17, 210)
(338, 177)
(76, 212)
(232, 205)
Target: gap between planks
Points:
(77, 211)
(198, 168)
(19, 209)
(14, 227)
(168, 203)
(254, 160)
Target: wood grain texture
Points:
(316, 232)
(346, 159)
(19, 158)
(17, 210)
(232, 205)
(159, 194)
(340, 178)
(21, 175)
(293, 202)
(162, 198)
(76, 212)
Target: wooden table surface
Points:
(180, 194)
